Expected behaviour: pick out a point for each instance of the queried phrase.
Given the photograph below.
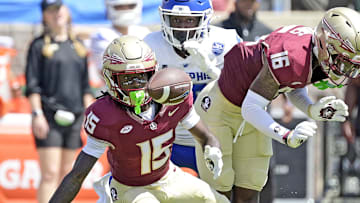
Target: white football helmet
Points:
(127, 55)
(124, 17)
(337, 44)
(197, 8)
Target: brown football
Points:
(169, 86)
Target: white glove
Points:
(329, 109)
(300, 134)
(213, 160)
(200, 57)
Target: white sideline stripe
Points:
(166, 93)
(19, 119)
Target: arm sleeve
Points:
(33, 69)
(299, 97)
(253, 108)
(94, 147)
(190, 120)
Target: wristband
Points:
(285, 137)
(37, 112)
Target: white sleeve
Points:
(253, 111)
(98, 45)
(190, 120)
(94, 147)
(299, 97)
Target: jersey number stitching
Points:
(151, 151)
(90, 123)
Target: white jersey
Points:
(219, 41)
(98, 43)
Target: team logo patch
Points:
(206, 103)
(217, 48)
(114, 195)
(327, 112)
(153, 126)
(126, 129)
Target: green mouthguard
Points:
(323, 85)
(137, 98)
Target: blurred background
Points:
(326, 169)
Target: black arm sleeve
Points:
(71, 184)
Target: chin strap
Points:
(137, 98)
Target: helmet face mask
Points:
(128, 64)
(337, 44)
(130, 15)
(176, 35)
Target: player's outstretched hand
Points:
(329, 109)
(300, 134)
(200, 57)
(213, 160)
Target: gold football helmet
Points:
(337, 44)
(127, 55)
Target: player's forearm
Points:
(67, 191)
(253, 108)
(203, 135)
(72, 182)
(299, 97)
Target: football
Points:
(169, 86)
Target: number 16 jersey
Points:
(289, 55)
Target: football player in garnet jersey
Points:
(255, 73)
(139, 134)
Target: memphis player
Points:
(188, 42)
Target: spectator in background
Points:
(222, 5)
(350, 127)
(244, 20)
(351, 131)
(124, 16)
(58, 90)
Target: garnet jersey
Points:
(288, 51)
(139, 150)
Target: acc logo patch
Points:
(217, 48)
(114, 195)
(126, 129)
(206, 103)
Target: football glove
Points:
(329, 109)
(300, 134)
(200, 57)
(213, 160)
